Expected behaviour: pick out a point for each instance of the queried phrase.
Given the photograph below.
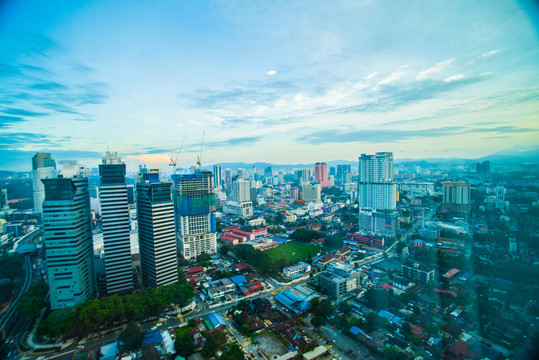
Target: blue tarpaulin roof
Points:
(153, 337)
(217, 320)
(238, 279)
(292, 301)
(385, 314)
(355, 330)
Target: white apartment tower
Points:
(377, 194)
(116, 227)
(68, 241)
(194, 209)
(217, 175)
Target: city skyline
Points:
(279, 83)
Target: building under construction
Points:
(194, 211)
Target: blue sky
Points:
(282, 82)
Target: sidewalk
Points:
(30, 339)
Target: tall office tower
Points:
(217, 175)
(457, 196)
(377, 194)
(241, 173)
(298, 176)
(241, 190)
(321, 174)
(256, 173)
(68, 241)
(341, 171)
(500, 197)
(268, 175)
(157, 238)
(228, 177)
(332, 170)
(306, 175)
(482, 167)
(194, 208)
(115, 223)
(43, 167)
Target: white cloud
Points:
(490, 53)
(435, 69)
(454, 77)
(394, 76)
(271, 72)
(371, 75)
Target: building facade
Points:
(194, 211)
(43, 167)
(418, 273)
(321, 174)
(241, 190)
(68, 241)
(311, 192)
(456, 196)
(116, 226)
(217, 175)
(157, 238)
(377, 194)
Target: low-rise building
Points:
(418, 272)
(239, 209)
(297, 269)
(339, 279)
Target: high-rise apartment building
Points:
(456, 196)
(116, 227)
(311, 192)
(43, 167)
(217, 175)
(240, 173)
(482, 167)
(157, 238)
(68, 241)
(321, 174)
(306, 175)
(377, 194)
(294, 193)
(241, 190)
(194, 209)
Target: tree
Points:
(345, 307)
(131, 336)
(32, 301)
(317, 321)
(406, 329)
(150, 352)
(232, 352)
(11, 266)
(224, 249)
(374, 322)
(184, 345)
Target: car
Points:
(80, 347)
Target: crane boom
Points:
(174, 161)
(199, 158)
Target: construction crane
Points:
(199, 157)
(174, 162)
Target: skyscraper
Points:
(217, 175)
(228, 178)
(377, 194)
(157, 238)
(194, 209)
(115, 223)
(68, 241)
(306, 175)
(241, 190)
(43, 167)
(342, 170)
(321, 174)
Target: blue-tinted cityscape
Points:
(269, 180)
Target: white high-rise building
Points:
(43, 167)
(241, 190)
(377, 194)
(116, 227)
(68, 241)
(157, 238)
(194, 208)
(500, 197)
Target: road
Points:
(27, 281)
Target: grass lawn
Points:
(293, 252)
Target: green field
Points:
(293, 252)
